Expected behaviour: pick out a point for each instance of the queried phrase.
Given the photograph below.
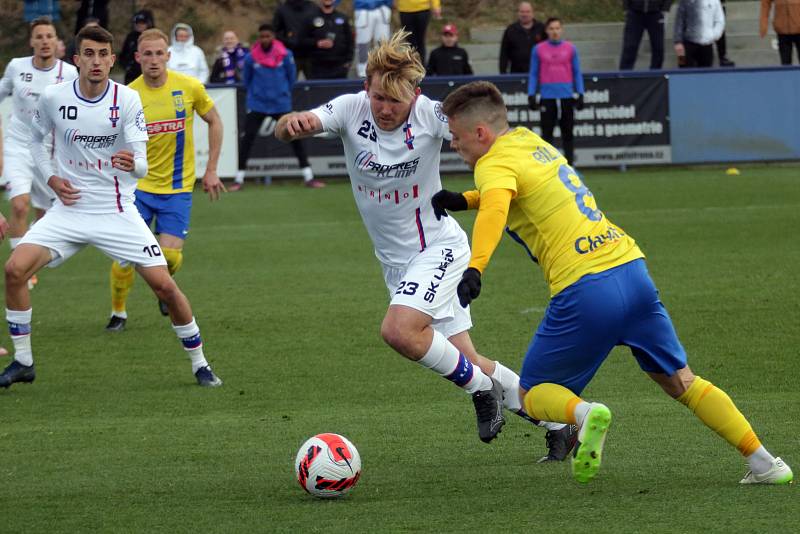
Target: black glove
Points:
(579, 102)
(533, 103)
(469, 287)
(447, 200)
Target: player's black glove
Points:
(533, 102)
(469, 287)
(447, 200)
(579, 102)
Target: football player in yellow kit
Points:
(601, 293)
(170, 100)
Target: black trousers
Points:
(698, 55)
(252, 124)
(785, 42)
(417, 24)
(636, 22)
(559, 110)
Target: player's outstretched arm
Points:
(297, 125)
(211, 182)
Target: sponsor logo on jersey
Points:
(167, 126)
(589, 243)
(366, 162)
(73, 136)
(30, 93)
(389, 196)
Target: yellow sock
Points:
(551, 402)
(717, 411)
(174, 257)
(122, 279)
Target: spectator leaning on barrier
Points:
(641, 15)
(519, 39)
(786, 21)
(269, 75)
(415, 16)
(288, 22)
(698, 25)
(555, 84)
(372, 21)
(329, 37)
(142, 20)
(229, 64)
(449, 59)
(186, 57)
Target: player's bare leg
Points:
(409, 332)
(25, 261)
(183, 322)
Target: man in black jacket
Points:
(519, 39)
(288, 23)
(142, 20)
(329, 38)
(449, 59)
(643, 15)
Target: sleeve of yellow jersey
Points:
(496, 180)
(202, 101)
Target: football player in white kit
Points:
(25, 79)
(101, 139)
(392, 138)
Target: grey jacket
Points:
(699, 21)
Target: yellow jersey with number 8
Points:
(552, 214)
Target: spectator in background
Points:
(142, 20)
(786, 21)
(91, 10)
(229, 64)
(186, 57)
(555, 84)
(372, 22)
(269, 75)
(415, 16)
(329, 37)
(519, 39)
(34, 9)
(641, 15)
(71, 50)
(449, 59)
(289, 20)
(698, 25)
(722, 45)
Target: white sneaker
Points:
(779, 473)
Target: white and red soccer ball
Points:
(327, 466)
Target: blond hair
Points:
(397, 65)
(153, 34)
(478, 101)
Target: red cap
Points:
(450, 28)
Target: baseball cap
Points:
(139, 17)
(450, 28)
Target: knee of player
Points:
(15, 271)
(19, 208)
(395, 335)
(166, 289)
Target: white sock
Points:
(510, 382)
(552, 426)
(189, 334)
(14, 241)
(445, 359)
(239, 178)
(308, 174)
(760, 461)
(19, 327)
(122, 314)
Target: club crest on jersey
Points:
(409, 136)
(177, 100)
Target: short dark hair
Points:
(266, 27)
(93, 33)
(40, 21)
(481, 99)
(551, 20)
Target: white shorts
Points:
(429, 283)
(122, 236)
(372, 24)
(23, 176)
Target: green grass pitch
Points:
(114, 435)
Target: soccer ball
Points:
(327, 466)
